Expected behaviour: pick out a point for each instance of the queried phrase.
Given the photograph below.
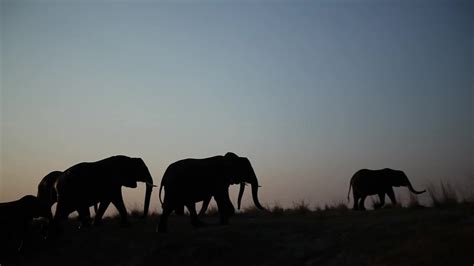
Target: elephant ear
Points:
(232, 165)
(399, 179)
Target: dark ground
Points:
(397, 236)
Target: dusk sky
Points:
(309, 91)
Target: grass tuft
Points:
(301, 207)
(212, 211)
(252, 210)
(414, 202)
(443, 197)
(136, 213)
(341, 206)
(277, 210)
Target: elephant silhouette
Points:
(189, 181)
(85, 184)
(48, 195)
(16, 219)
(367, 182)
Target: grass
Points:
(414, 202)
(333, 234)
(444, 196)
(329, 236)
(301, 207)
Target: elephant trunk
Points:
(241, 193)
(255, 195)
(410, 187)
(149, 189)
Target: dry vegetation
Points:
(440, 234)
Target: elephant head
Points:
(33, 207)
(241, 172)
(399, 178)
(46, 190)
(17, 220)
(137, 171)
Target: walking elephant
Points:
(88, 183)
(16, 219)
(192, 180)
(48, 195)
(205, 204)
(367, 182)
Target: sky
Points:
(309, 91)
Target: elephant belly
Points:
(182, 196)
(192, 198)
(371, 189)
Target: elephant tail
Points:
(159, 194)
(349, 192)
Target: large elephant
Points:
(88, 183)
(48, 195)
(15, 223)
(367, 182)
(192, 180)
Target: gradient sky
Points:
(310, 91)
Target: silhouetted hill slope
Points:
(397, 236)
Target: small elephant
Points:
(16, 219)
(205, 204)
(88, 183)
(192, 180)
(48, 195)
(367, 182)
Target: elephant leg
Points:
(24, 235)
(391, 195)
(225, 207)
(205, 204)
(118, 203)
(100, 212)
(163, 222)
(84, 217)
(382, 201)
(193, 215)
(60, 215)
(356, 201)
(361, 203)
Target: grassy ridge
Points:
(441, 234)
(395, 236)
